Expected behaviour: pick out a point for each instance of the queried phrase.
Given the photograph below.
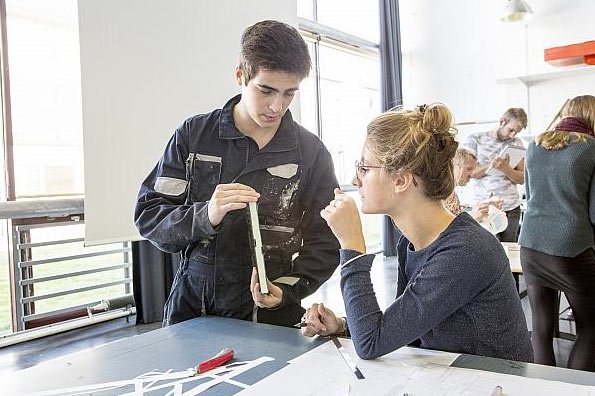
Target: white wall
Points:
(146, 65)
(556, 23)
(455, 52)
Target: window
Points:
(45, 271)
(342, 94)
(356, 17)
(349, 98)
(45, 97)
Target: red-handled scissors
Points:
(218, 360)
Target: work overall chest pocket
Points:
(280, 243)
(279, 192)
(204, 174)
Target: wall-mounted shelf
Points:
(530, 79)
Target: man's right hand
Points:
(227, 197)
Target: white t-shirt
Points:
(496, 185)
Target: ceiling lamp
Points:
(516, 10)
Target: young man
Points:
(194, 200)
(501, 182)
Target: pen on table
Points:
(303, 322)
(497, 391)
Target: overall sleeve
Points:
(162, 213)
(431, 296)
(319, 254)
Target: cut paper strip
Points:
(150, 382)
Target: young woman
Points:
(557, 237)
(455, 291)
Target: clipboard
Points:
(256, 247)
(515, 155)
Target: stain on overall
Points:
(285, 198)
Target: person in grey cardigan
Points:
(557, 237)
(455, 290)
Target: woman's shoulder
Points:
(590, 140)
(466, 238)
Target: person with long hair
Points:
(557, 237)
(455, 290)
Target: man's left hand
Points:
(270, 300)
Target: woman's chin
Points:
(365, 210)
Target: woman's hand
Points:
(480, 212)
(270, 300)
(342, 216)
(322, 321)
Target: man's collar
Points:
(285, 138)
(227, 128)
(494, 134)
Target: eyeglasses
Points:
(361, 168)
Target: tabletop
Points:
(159, 361)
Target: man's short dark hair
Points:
(273, 45)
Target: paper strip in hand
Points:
(256, 247)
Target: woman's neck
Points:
(423, 222)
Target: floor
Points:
(384, 278)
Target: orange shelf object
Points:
(573, 54)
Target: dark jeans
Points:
(511, 233)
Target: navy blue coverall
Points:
(295, 177)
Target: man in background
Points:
(495, 178)
(251, 150)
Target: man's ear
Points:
(502, 122)
(239, 76)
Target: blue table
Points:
(183, 345)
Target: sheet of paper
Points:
(496, 220)
(322, 371)
(451, 381)
(410, 371)
(515, 155)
